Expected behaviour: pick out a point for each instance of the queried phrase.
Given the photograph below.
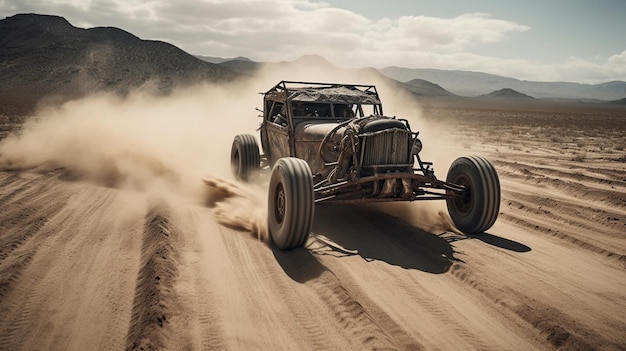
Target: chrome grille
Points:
(386, 148)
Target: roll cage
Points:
(289, 102)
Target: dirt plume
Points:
(239, 206)
(160, 146)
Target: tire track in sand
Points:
(390, 237)
(199, 317)
(559, 328)
(350, 315)
(10, 331)
(22, 224)
(32, 204)
(61, 295)
(155, 300)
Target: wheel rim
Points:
(463, 204)
(279, 200)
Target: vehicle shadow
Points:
(299, 263)
(382, 237)
(500, 242)
(376, 235)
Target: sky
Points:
(541, 40)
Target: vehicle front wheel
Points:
(291, 203)
(477, 210)
(245, 159)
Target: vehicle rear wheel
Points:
(291, 203)
(477, 210)
(245, 159)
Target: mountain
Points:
(312, 60)
(213, 59)
(468, 83)
(241, 66)
(619, 102)
(42, 55)
(508, 93)
(422, 87)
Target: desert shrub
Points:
(556, 139)
(579, 157)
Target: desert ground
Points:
(92, 263)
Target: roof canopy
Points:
(325, 92)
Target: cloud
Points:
(279, 30)
(613, 68)
(271, 29)
(410, 33)
(618, 60)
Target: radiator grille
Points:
(388, 147)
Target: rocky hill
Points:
(42, 55)
(508, 93)
(241, 66)
(619, 102)
(422, 87)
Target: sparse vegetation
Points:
(556, 139)
(579, 157)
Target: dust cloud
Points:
(162, 146)
(135, 142)
(166, 145)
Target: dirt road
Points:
(87, 265)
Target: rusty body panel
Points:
(308, 136)
(355, 153)
(278, 142)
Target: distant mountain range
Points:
(45, 57)
(213, 59)
(467, 83)
(619, 102)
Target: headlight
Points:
(417, 146)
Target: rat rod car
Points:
(331, 144)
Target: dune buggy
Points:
(331, 144)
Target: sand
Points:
(95, 263)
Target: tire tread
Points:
(249, 157)
(486, 189)
(297, 181)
